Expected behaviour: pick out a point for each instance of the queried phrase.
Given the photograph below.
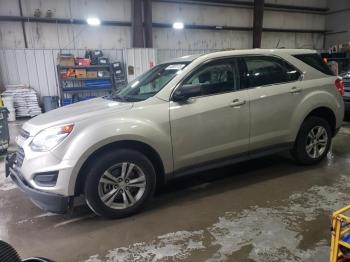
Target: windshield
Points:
(148, 84)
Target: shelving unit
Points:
(82, 87)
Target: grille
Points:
(19, 156)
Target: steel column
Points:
(22, 23)
(136, 24)
(147, 11)
(258, 22)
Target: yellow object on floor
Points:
(340, 248)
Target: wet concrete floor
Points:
(267, 209)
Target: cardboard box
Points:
(63, 74)
(66, 60)
(67, 73)
(91, 74)
(80, 73)
(83, 61)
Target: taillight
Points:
(339, 84)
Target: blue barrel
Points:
(50, 103)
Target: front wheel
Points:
(119, 183)
(313, 141)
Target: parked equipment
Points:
(340, 244)
(50, 103)
(8, 102)
(4, 130)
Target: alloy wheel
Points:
(122, 185)
(317, 141)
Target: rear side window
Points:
(315, 61)
(265, 70)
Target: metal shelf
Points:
(86, 88)
(84, 67)
(82, 87)
(83, 79)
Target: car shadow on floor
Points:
(217, 181)
(226, 178)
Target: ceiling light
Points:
(93, 21)
(178, 25)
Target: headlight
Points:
(50, 137)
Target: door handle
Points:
(237, 102)
(295, 90)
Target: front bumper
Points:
(47, 201)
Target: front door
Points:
(215, 124)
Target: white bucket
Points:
(12, 115)
(8, 102)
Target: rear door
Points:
(215, 124)
(275, 90)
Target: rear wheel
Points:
(313, 141)
(119, 183)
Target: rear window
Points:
(315, 61)
(267, 70)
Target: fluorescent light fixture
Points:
(93, 21)
(178, 25)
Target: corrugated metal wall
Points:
(37, 67)
(167, 54)
(141, 59)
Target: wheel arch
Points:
(327, 114)
(141, 147)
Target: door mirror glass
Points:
(186, 91)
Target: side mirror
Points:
(184, 92)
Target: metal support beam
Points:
(30, 19)
(258, 22)
(147, 14)
(250, 4)
(33, 19)
(137, 24)
(22, 23)
(238, 28)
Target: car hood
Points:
(73, 113)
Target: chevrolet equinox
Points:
(180, 117)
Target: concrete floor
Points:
(263, 210)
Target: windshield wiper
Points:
(119, 98)
(133, 99)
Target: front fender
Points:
(90, 138)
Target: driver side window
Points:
(215, 77)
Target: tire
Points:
(8, 253)
(127, 193)
(300, 150)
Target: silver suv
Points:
(180, 117)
